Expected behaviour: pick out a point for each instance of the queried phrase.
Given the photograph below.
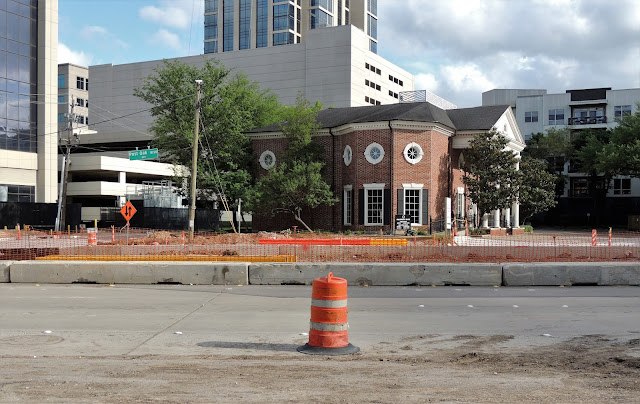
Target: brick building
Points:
(387, 160)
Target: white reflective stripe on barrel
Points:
(329, 327)
(329, 304)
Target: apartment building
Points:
(231, 25)
(598, 108)
(28, 100)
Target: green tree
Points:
(555, 148)
(297, 182)
(490, 172)
(621, 156)
(536, 190)
(230, 106)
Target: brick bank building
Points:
(388, 160)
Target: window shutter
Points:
(361, 206)
(387, 207)
(425, 207)
(353, 207)
(400, 207)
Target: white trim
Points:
(367, 187)
(412, 186)
(346, 210)
(347, 155)
(418, 149)
(263, 163)
(367, 153)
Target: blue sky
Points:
(455, 48)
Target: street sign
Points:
(143, 154)
(128, 211)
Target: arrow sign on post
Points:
(128, 211)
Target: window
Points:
(262, 23)
(17, 193)
(392, 94)
(283, 38)
(86, 85)
(245, 24)
(588, 116)
(579, 187)
(348, 205)
(210, 27)
(372, 27)
(267, 160)
(412, 205)
(622, 186)
(556, 117)
(374, 204)
(227, 25)
(347, 155)
(61, 81)
(374, 153)
(80, 83)
(62, 118)
(622, 110)
(532, 116)
(211, 47)
(372, 6)
(62, 99)
(283, 17)
(211, 6)
(80, 102)
(413, 153)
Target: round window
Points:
(267, 160)
(374, 153)
(347, 155)
(413, 153)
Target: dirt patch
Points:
(429, 368)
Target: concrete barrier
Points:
(4, 271)
(556, 274)
(387, 274)
(197, 273)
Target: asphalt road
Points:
(97, 320)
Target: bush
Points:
(528, 228)
(422, 232)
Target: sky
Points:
(456, 49)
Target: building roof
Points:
(478, 118)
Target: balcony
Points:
(588, 120)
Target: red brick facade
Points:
(437, 170)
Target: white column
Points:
(122, 179)
(507, 217)
(485, 221)
(496, 218)
(516, 215)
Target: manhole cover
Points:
(31, 340)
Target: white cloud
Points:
(66, 55)
(426, 81)
(174, 13)
(467, 77)
(166, 38)
(470, 46)
(98, 33)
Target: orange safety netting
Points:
(156, 245)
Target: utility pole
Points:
(62, 199)
(194, 163)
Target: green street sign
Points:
(144, 154)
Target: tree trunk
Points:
(299, 219)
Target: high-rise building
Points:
(28, 100)
(231, 25)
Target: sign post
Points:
(127, 211)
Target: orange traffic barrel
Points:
(92, 238)
(328, 332)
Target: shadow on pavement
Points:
(261, 346)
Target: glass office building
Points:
(18, 75)
(250, 24)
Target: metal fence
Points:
(154, 245)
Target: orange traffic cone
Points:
(328, 333)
